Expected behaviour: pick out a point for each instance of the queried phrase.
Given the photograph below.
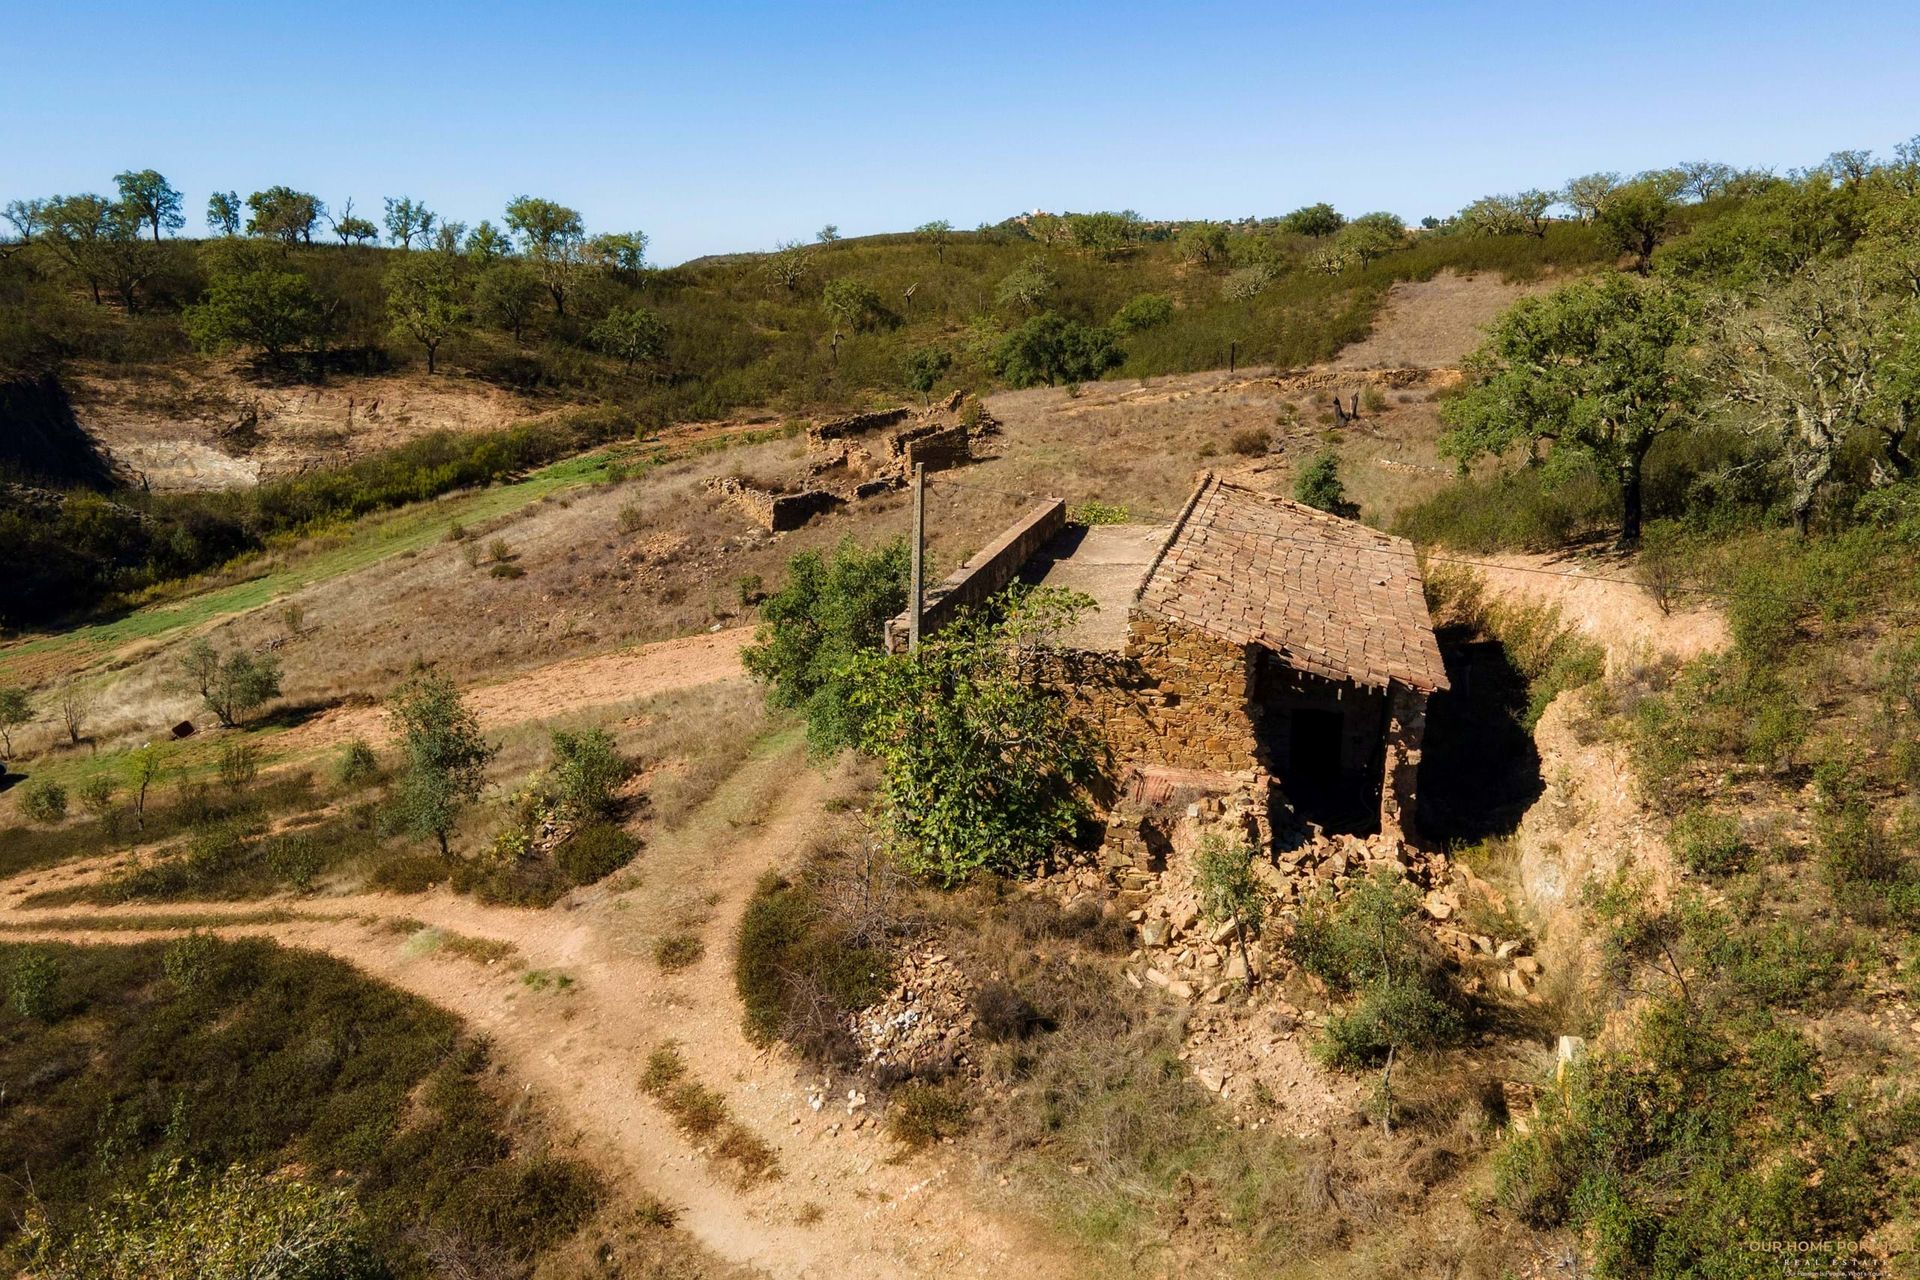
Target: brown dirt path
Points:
(843, 1207)
(1596, 592)
(576, 683)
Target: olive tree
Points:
(924, 367)
(1585, 194)
(855, 305)
(233, 687)
(152, 199)
(554, 240)
(1598, 367)
(224, 213)
(254, 299)
(1313, 220)
(16, 709)
(622, 250)
(1827, 363)
(508, 294)
(936, 233)
(1636, 217)
(283, 214)
(631, 335)
(427, 300)
(407, 219)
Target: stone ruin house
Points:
(1256, 648)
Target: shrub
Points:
(665, 1068)
(239, 763)
(1093, 512)
(44, 802)
(631, 519)
(1372, 398)
(1319, 485)
(830, 609)
(921, 1114)
(981, 767)
(800, 970)
(31, 983)
(96, 796)
(586, 768)
(358, 764)
(1003, 1014)
(678, 950)
(1709, 842)
(594, 852)
(1656, 1149)
(1369, 947)
(1143, 311)
(506, 569)
(1053, 349)
(241, 1223)
(191, 962)
(1250, 442)
(408, 872)
(1228, 890)
(295, 860)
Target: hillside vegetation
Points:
(156, 1064)
(577, 320)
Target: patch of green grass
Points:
(317, 556)
(547, 980)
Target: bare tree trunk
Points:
(1631, 499)
(1386, 1093)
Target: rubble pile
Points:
(1146, 865)
(924, 1026)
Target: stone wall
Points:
(982, 577)
(774, 512)
(855, 424)
(934, 445)
(1176, 696)
(1406, 728)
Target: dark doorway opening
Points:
(1321, 789)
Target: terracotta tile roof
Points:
(1329, 596)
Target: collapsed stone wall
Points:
(934, 445)
(1385, 379)
(773, 511)
(855, 424)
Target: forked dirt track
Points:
(575, 1012)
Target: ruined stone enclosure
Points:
(853, 458)
(1255, 646)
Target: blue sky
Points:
(730, 126)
